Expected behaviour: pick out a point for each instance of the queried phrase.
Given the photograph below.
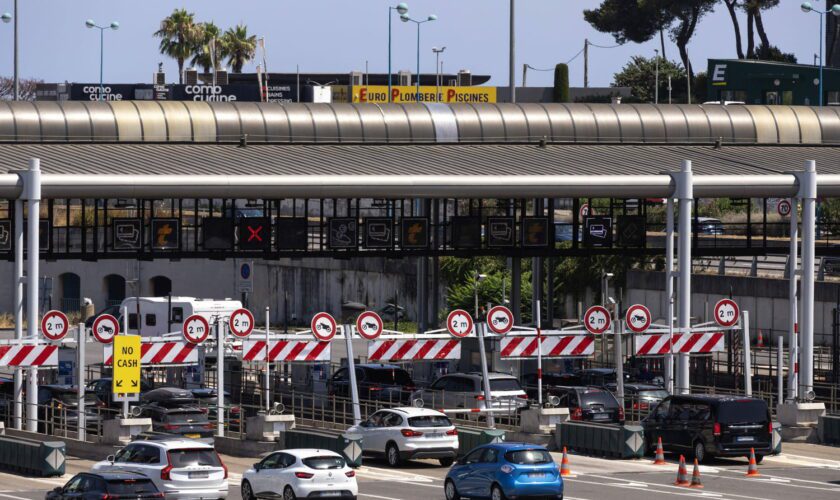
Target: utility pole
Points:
(586, 63)
(512, 76)
(17, 75)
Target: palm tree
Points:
(178, 34)
(239, 46)
(208, 37)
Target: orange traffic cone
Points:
(660, 454)
(682, 474)
(760, 342)
(564, 464)
(752, 471)
(695, 476)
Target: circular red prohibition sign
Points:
(369, 325)
(459, 323)
(54, 325)
(241, 323)
(500, 320)
(638, 318)
(597, 319)
(195, 329)
(726, 312)
(323, 327)
(105, 328)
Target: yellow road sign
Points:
(126, 364)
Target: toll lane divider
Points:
(414, 349)
(287, 350)
(690, 343)
(553, 346)
(29, 355)
(160, 353)
(606, 440)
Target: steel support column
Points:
(32, 193)
(19, 281)
(808, 195)
(793, 276)
(669, 292)
(685, 195)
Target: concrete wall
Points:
(766, 299)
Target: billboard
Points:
(406, 94)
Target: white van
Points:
(162, 315)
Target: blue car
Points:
(505, 470)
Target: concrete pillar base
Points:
(542, 420)
(799, 421)
(268, 427)
(122, 430)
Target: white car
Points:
(180, 468)
(405, 433)
(304, 473)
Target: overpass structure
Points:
(422, 160)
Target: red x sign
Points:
(255, 233)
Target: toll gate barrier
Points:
(606, 440)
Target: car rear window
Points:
(505, 384)
(742, 411)
(598, 398)
(131, 486)
(194, 417)
(429, 421)
(657, 394)
(323, 463)
(192, 457)
(396, 376)
(528, 457)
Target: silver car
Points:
(466, 390)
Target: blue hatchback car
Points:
(505, 470)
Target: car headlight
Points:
(507, 469)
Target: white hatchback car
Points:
(304, 473)
(406, 433)
(182, 469)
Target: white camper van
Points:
(162, 315)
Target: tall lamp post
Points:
(438, 76)
(402, 9)
(113, 26)
(835, 10)
(7, 18)
(405, 18)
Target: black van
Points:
(707, 426)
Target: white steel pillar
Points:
(19, 280)
(347, 330)
(669, 293)
(808, 195)
(81, 340)
(32, 193)
(685, 195)
(793, 276)
(220, 376)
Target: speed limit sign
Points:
(196, 329)
(459, 323)
(726, 312)
(783, 208)
(597, 319)
(54, 325)
(241, 322)
(323, 327)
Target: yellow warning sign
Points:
(126, 364)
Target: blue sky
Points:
(340, 35)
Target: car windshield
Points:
(396, 376)
(654, 394)
(528, 457)
(131, 486)
(598, 398)
(323, 463)
(187, 417)
(505, 384)
(742, 411)
(193, 457)
(429, 421)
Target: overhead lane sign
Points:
(126, 364)
(406, 94)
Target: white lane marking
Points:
(627, 481)
(12, 496)
(779, 481)
(683, 491)
(377, 496)
(808, 460)
(785, 478)
(394, 475)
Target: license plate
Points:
(538, 474)
(600, 416)
(744, 439)
(330, 493)
(435, 435)
(199, 475)
(192, 436)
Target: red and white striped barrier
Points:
(161, 353)
(692, 343)
(287, 350)
(29, 355)
(554, 346)
(414, 350)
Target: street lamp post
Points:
(113, 26)
(402, 9)
(7, 18)
(438, 52)
(835, 10)
(405, 18)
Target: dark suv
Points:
(590, 404)
(707, 426)
(376, 382)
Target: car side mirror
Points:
(110, 458)
(257, 466)
(58, 490)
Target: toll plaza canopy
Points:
(171, 149)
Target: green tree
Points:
(773, 53)
(640, 75)
(178, 34)
(240, 47)
(732, 6)
(755, 22)
(206, 42)
(561, 83)
(635, 22)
